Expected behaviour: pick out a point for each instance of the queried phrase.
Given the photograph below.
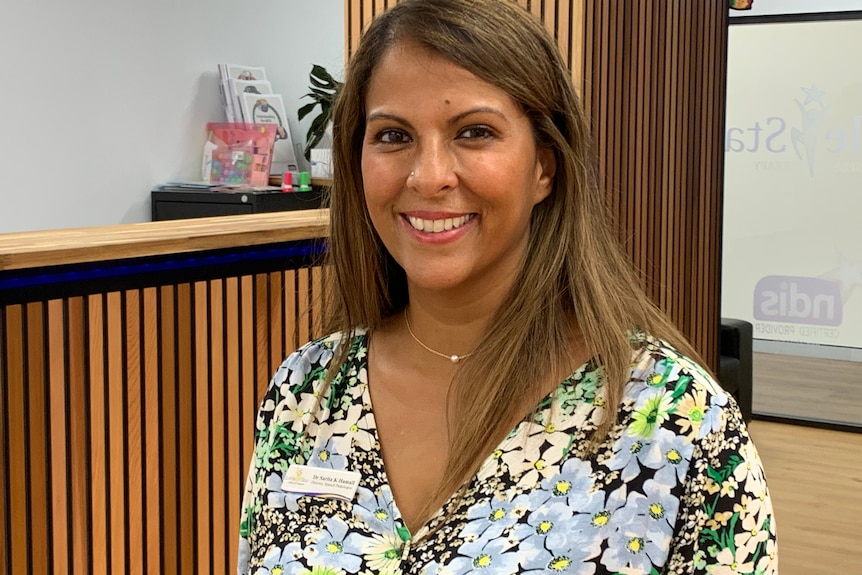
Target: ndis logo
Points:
(792, 299)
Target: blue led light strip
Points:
(72, 273)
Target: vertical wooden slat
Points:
(80, 438)
(202, 389)
(59, 473)
(318, 297)
(135, 468)
(185, 516)
(152, 406)
(5, 496)
(276, 320)
(169, 524)
(237, 435)
(117, 432)
(39, 423)
(291, 328)
(96, 393)
(302, 314)
(5, 472)
(250, 391)
(15, 410)
(572, 40)
(222, 514)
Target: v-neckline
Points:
(377, 452)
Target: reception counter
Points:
(132, 361)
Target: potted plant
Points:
(323, 89)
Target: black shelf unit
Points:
(177, 204)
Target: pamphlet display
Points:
(247, 97)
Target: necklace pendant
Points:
(455, 359)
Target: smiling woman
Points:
(443, 147)
(496, 383)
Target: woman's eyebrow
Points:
(478, 110)
(384, 116)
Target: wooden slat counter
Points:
(132, 362)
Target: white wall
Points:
(103, 99)
(762, 7)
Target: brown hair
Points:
(574, 273)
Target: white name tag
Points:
(320, 481)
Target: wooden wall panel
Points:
(127, 420)
(654, 89)
(651, 76)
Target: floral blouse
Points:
(676, 488)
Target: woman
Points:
(497, 395)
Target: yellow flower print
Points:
(719, 520)
(711, 486)
(562, 487)
(692, 408)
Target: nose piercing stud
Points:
(411, 174)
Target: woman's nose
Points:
(433, 169)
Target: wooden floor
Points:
(815, 478)
(808, 388)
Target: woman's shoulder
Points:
(313, 359)
(666, 388)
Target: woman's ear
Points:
(546, 168)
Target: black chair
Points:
(735, 362)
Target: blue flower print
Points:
(712, 418)
(278, 498)
(561, 542)
(642, 529)
(329, 455)
(334, 548)
(632, 452)
(376, 509)
(676, 455)
(491, 518)
(543, 522)
(661, 371)
(571, 484)
(279, 561)
(655, 510)
(485, 558)
(628, 549)
(298, 365)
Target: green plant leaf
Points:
(320, 72)
(323, 89)
(330, 86)
(306, 110)
(322, 94)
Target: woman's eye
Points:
(392, 137)
(476, 132)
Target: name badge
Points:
(319, 481)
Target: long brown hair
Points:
(574, 273)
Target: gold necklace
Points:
(452, 358)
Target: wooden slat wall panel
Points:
(654, 88)
(652, 77)
(127, 420)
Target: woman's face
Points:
(451, 172)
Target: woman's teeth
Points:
(434, 226)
